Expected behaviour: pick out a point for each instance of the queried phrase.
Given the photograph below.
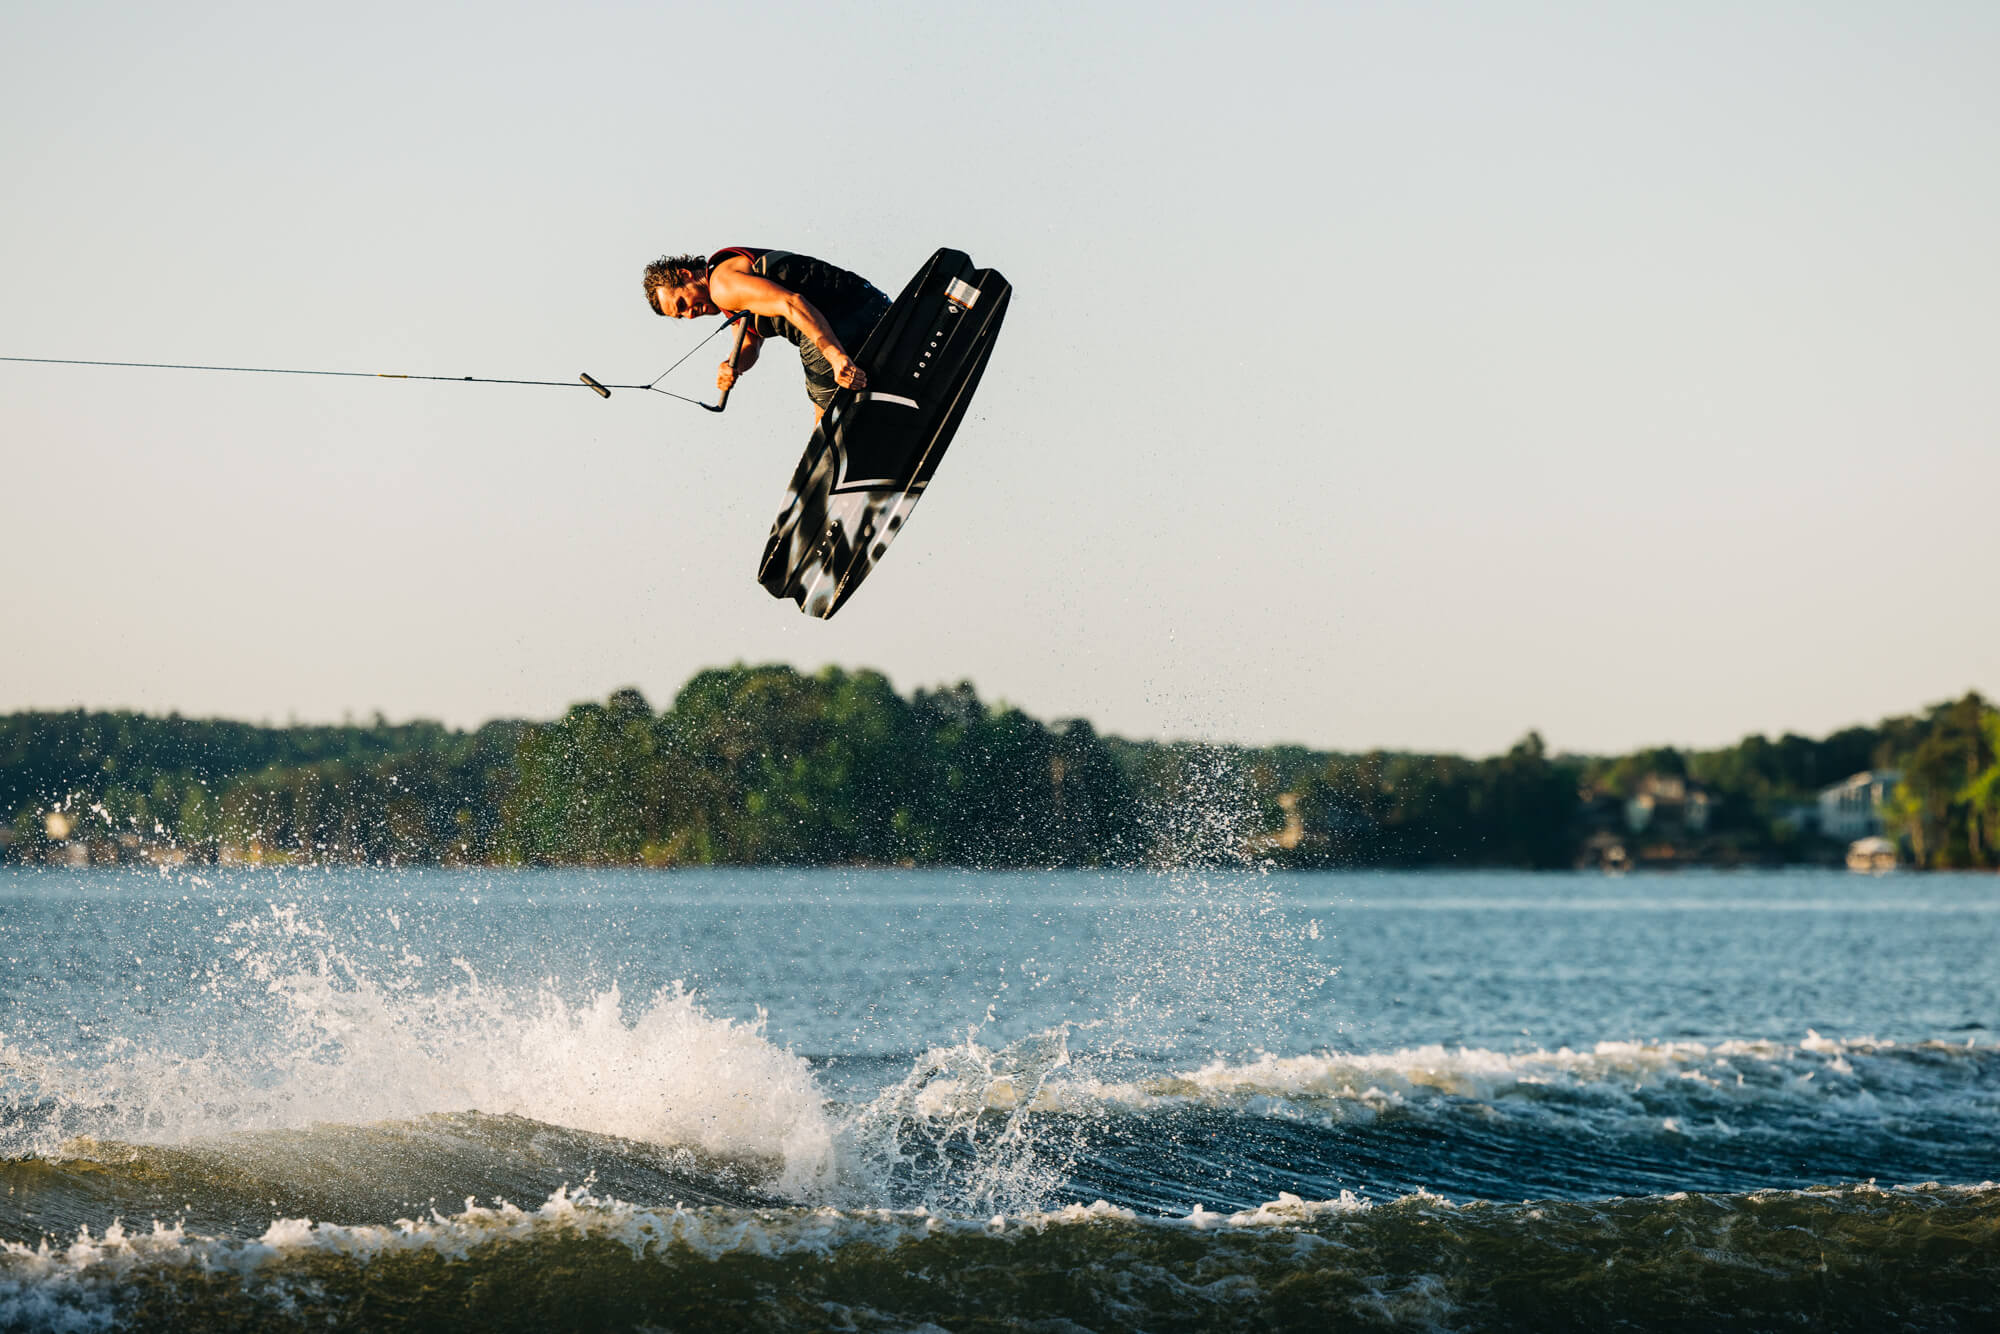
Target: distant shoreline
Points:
(766, 766)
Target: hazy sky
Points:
(1384, 374)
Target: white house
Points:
(1853, 809)
(1663, 800)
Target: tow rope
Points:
(585, 380)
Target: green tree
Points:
(1942, 806)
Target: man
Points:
(823, 309)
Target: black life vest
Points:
(834, 292)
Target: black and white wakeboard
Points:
(875, 449)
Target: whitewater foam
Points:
(1690, 1087)
(959, 1128)
(350, 1051)
(710, 1232)
(1410, 1263)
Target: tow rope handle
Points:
(742, 331)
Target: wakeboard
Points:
(875, 449)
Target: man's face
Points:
(687, 303)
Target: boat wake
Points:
(1853, 1258)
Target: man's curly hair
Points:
(671, 271)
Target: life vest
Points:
(834, 292)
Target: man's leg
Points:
(820, 384)
(853, 333)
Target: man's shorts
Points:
(852, 332)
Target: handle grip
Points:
(742, 330)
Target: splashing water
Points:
(959, 1132)
(1215, 957)
(298, 1032)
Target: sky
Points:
(1404, 375)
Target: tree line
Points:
(765, 765)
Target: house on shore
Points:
(1852, 808)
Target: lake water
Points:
(1062, 1100)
